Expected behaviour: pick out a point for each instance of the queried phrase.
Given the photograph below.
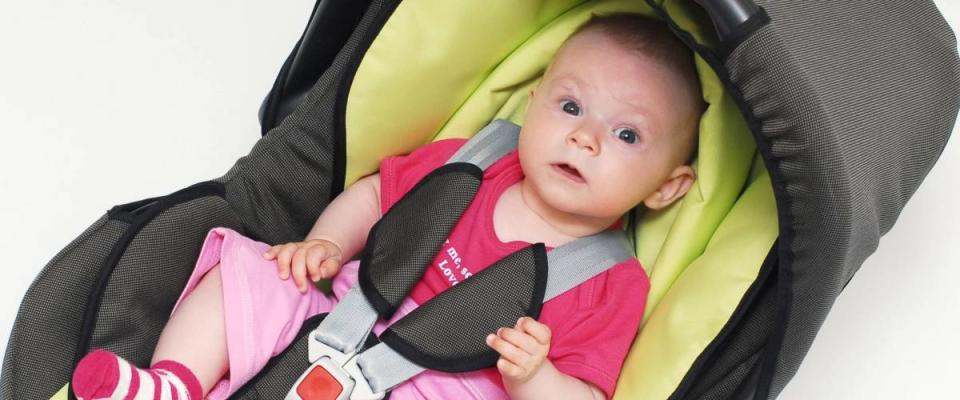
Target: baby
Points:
(612, 125)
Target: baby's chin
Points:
(590, 210)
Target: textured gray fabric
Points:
(569, 265)
(284, 183)
(135, 302)
(405, 240)
(151, 274)
(854, 102)
(726, 387)
(47, 327)
(351, 321)
(489, 145)
(436, 335)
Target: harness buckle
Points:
(334, 375)
(323, 380)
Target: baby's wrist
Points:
(541, 377)
(328, 239)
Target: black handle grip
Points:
(729, 15)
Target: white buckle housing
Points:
(342, 367)
(361, 388)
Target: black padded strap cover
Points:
(447, 333)
(402, 244)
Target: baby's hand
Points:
(318, 257)
(522, 349)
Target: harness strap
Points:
(347, 326)
(570, 265)
(579, 260)
(389, 265)
(490, 144)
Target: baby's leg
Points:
(194, 338)
(233, 292)
(195, 335)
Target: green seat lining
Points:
(443, 69)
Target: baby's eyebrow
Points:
(639, 108)
(569, 82)
(641, 118)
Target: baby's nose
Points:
(584, 140)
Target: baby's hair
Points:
(652, 38)
(646, 35)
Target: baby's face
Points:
(605, 129)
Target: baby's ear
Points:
(673, 188)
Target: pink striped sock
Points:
(104, 375)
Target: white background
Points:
(107, 102)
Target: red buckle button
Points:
(319, 385)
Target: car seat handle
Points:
(729, 15)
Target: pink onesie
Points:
(592, 324)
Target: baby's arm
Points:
(348, 219)
(338, 234)
(526, 371)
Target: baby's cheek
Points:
(628, 187)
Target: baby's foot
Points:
(104, 375)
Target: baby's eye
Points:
(626, 135)
(570, 107)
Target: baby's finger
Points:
(509, 369)
(299, 263)
(313, 272)
(300, 278)
(315, 257)
(536, 329)
(283, 270)
(271, 252)
(507, 350)
(520, 339)
(283, 259)
(330, 267)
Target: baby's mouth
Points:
(569, 171)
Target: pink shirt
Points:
(593, 324)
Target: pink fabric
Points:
(255, 297)
(593, 324)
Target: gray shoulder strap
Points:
(492, 142)
(569, 265)
(576, 262)
(347, 325)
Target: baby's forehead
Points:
(587, 47)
